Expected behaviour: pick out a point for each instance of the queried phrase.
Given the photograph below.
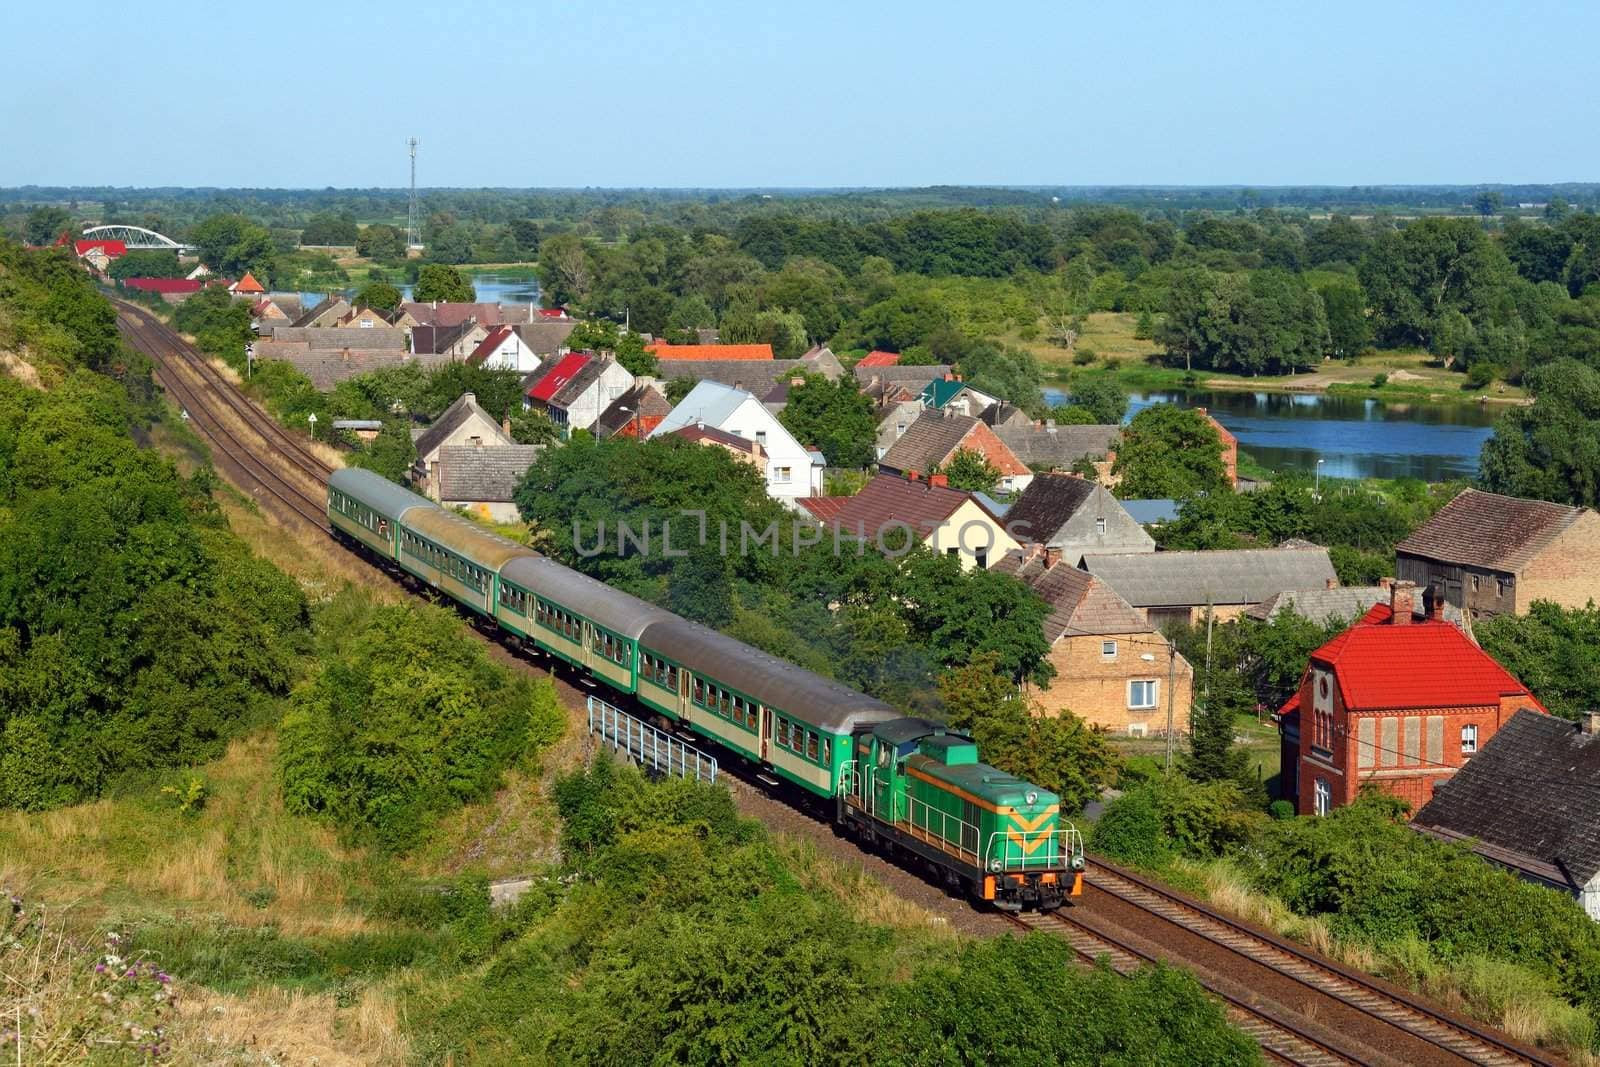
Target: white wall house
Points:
(791, 470)
(504, 349)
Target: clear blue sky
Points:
(825, 93)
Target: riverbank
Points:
(1108, 348)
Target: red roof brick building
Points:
(1396, 702)
(1230, 447)
(717, 352)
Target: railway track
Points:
(205, 395)
(1271, 985)
(1315, 1029)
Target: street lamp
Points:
(633, 417)
(1316, 488)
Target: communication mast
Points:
(412, 237)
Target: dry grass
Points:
(514, 831)
(21, 370)
(864, 898)
(136, 855)
(275, 1026)
(1108, 334)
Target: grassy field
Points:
(1408, 375)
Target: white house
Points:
(575, 389)
(792, 471)
(504, 349)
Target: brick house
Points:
(947, 520)
(1074, 516)
(1511, 807)
(482, 479)
(934, 437)
(1113, 668)
(741, 449)
(1395, 702)
(1230, 448)
(1495, 555)
(462, 423)
(633, 414)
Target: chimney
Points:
(1052, 556)
(939, 480)
(505, 425)
(699, 424)
(912, 476)
(1435, 602)
(471, 398)
(1385, 583)
(1591, 722)
(949, 376)
(1332, 583)
(1402, 598)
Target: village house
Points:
(953, 395)
(1526, 803)
(171, 290)
(546, 338)
(1046, 446)
(1393, 702)
(327, 313)
(892, 513)
(914, 377)
(481, 479)
(1071, 516)
(502, 349)
(327, 367)
(1113, 669)
(267, 313)
(578, 388)
(248, 287)
(1230, 448)
(934, 437)
(877, 358)
(740, 448)
(462, 423)
(792, 470)
(1004, 415)
(368, 318)
(448, 344)
(634, 413)
(1180, 587)
(445, 313)
(1495, 555)
(99, 254)
(894, 419)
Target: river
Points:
(1352, 437)
(492, 288)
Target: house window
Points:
(1324, 796)
(1469, 739)
(981, 557)
(1474, 583)
(1099, 526)
(1142, 694)
(1108, 649)
(761, 438)
(952, 552)
(782, 475)
(899, 429)
(1500, 587)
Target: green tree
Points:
(381, 242)
(231, 245)
(971, 470)
(436, 282)
(1169, 452)
(1415, 276)
(1104, 399)
(147, 263)
(1488, 202)
(391, 453)
(327, 228)
(1551, 449)
(380, 296)
(1349, 332)
(785, 331)
(1551, 651)
(835, 417)
(45, 223)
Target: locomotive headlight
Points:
(1031, 797)
(995, 865)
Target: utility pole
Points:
(1172, 684)
(411, 215)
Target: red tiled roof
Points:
(693, 432)
(877, 358)
(1421, 665)
(888, 499)
(110, 248)
(248, 284)
(164, 285)
(560, 374)
(550, 313)
(745, 352)
(825, 508)
(487, 346)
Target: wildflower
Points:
(99, 968)
(163, 977)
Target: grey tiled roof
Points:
(642, 401)
(483, 475)
(1528, 799)
(1079, 602)
(544, 339)
(1479, 529)
(896, 372)
(1059, 446)
(927, 442)
(1049, 501)
(327, 367)
(336, 338)
(1192, 579)
(754, 376)
(450, 420)
(1342, 604)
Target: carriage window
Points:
(811, 745)
(827, 751)
(783, 733)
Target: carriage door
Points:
(766, 732)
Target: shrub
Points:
(405, 722)
(1380, 380)
(1480, 375)
(1281, 809)
(1083, 355)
